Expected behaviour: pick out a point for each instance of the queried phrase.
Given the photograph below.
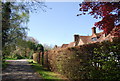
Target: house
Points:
(71, 44)
(64, 45)
(95, 37)
(80, 40)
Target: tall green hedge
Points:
(91, 61)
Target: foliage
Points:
(107, 61)
(4, 64)
(107, 11)
(40, 48)
(45, 73)
(12, 22)
(10, 59)
(13, 25)
(15, 16)
(32, 39)
(23, 49)
(90, 61)
(36, 57)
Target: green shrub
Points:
(91, 61)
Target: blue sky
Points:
(58, 25)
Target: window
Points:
(94, 39)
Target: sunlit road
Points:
(19, 70)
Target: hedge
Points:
(90, 61)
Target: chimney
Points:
(55, 46)
(93, 30)
(76, 39)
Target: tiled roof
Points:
(88, 39)
(71, 44)
(64, 46)
(85, 39)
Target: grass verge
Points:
(4, 64)
(10, 59)
(45, 73)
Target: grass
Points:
(10, 59)
(14, 58)
(45, 73)
(4, 64)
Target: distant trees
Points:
(28, 47)
(47, 47)
(15, 16)
(108, 12)
(23, 49)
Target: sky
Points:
(58, 25)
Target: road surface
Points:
(19, 70)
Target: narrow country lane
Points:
(19, 70)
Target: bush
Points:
(35, 57)
(17, 56)
(91, 61)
